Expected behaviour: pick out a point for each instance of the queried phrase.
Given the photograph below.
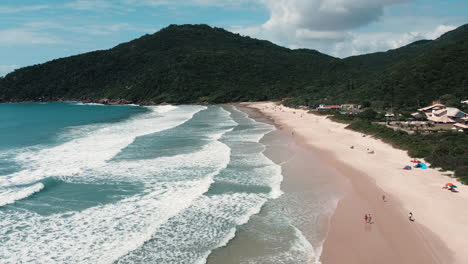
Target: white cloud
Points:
(24, 36)
(89, 4)
(217, 3)
(324, 14)
(438, 31)
(17, 9)
(331, 26)
(361, 43)
(5, 69)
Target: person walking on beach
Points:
(370, 219)
(383, 198)
(411, 217)
(366, 218)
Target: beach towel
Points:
(407, 167)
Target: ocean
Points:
(83, 183)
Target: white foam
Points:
(12, 195)
(262, 171)
(92, 146)
(102, 234)
(301, 244)
(165, 108)
(210, 222)
(81, 103)
(98, 104)
(172, 196)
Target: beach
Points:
(436, 236)
(285, 231)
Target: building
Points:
(350, 109)
(323, 107)
(439, 113)
(389, 117)
(350, 106)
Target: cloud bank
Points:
(332, 26)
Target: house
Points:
(389, 116)
(350, 106)
(350, 109)
(323, 107)
(439, 113)
(456, 114)
(427, 111)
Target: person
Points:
(352, 147)
(370, 219)
(411, 217)
(366, 218)
(383, 198)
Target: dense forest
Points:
(198, 63)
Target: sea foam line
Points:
(15, 194)
(104, 233)
(93, 146)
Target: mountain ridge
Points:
(199, 63)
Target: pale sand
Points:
(438, 212)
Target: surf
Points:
(189, 177)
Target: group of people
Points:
(368, 217)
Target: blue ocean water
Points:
(127, 184)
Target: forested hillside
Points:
(198, 63)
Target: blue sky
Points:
(36, 31)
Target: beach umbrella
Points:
(449, 184)
(421, 165)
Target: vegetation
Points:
(198, 63)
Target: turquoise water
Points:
(128, 184)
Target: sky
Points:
(36, 31)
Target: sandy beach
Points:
(436, 236)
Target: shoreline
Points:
(102, 101)
(297, 159)
(393, 238)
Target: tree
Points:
(449, 100)
(368, 114)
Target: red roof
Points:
(332, 106)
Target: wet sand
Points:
(270, 236)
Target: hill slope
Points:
(197, 63)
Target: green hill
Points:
(198, 63)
